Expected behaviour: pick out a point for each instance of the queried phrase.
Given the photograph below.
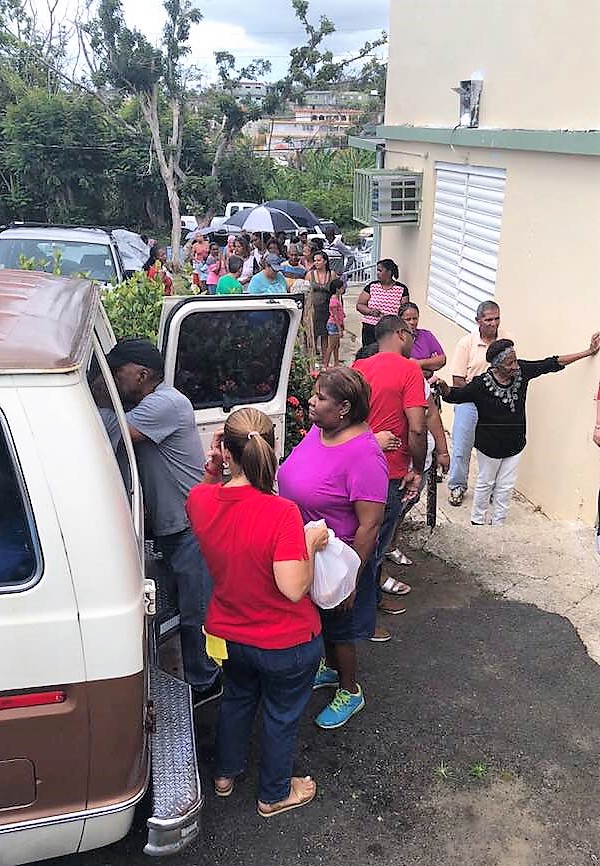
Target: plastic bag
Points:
(336, 569)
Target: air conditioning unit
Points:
(387, 196)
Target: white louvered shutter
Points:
(466, 234)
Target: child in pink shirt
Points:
(335, 322)
(216, 268)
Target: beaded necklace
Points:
(508, 394)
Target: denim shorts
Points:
(332, 329)
(358, 623)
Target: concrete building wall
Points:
(547, 288)
(538, 59)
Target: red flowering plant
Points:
(300, 388)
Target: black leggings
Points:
(368, 334)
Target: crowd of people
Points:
(269, 264)
(239, 533)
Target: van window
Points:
(225, 358)
(19, 557)
(110, 421)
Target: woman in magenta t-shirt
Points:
(426, 350)
(338, 473)
(261, 559)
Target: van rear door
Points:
(227, 352)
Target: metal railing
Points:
(361, 271)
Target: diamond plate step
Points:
(176, 789)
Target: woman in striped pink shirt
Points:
(381, 297)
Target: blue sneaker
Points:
(343, 706)
(325, 676)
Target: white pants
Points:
(497, 476)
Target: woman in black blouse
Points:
(500, 395)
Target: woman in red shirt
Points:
(156, 268)
(261, 559)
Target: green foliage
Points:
(242, 176)
(66, 156)
(57, 154)
(323, 182)
(128, 61)
(311, 65)
(478, 770)
(300, 388)
(50, 266)
(134, 306)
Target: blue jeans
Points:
(283, 680)
(463, 439)
(193, 583)
(391, 515)
(396, 509)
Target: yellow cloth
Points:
(216, 647)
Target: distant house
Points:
(510, 201)
(348, 98)
(307, 127)
(252, 90)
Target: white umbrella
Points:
(134, 251)
(262, 219)
(200, 233)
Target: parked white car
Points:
(71, 251)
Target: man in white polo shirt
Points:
(469, 361)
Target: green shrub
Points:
(300, 388)
(134, 306)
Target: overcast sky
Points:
(266, 28)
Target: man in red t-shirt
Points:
(397, 405)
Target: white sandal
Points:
(397, 557)
(395, 587)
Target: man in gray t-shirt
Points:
(169, 454)
(170, 460)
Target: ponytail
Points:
(391, 266)
(250, 438)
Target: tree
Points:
(310, 66)
(57, 152)
(325, 183)
(235, 112)
(128, 62)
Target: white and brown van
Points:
(88, 719)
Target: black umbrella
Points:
(262, 219)
(302, 215)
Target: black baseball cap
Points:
(136, 351)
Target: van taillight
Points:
(32, 699)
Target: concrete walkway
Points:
(552, 564)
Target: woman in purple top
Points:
(426, 350)
(338, 473)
